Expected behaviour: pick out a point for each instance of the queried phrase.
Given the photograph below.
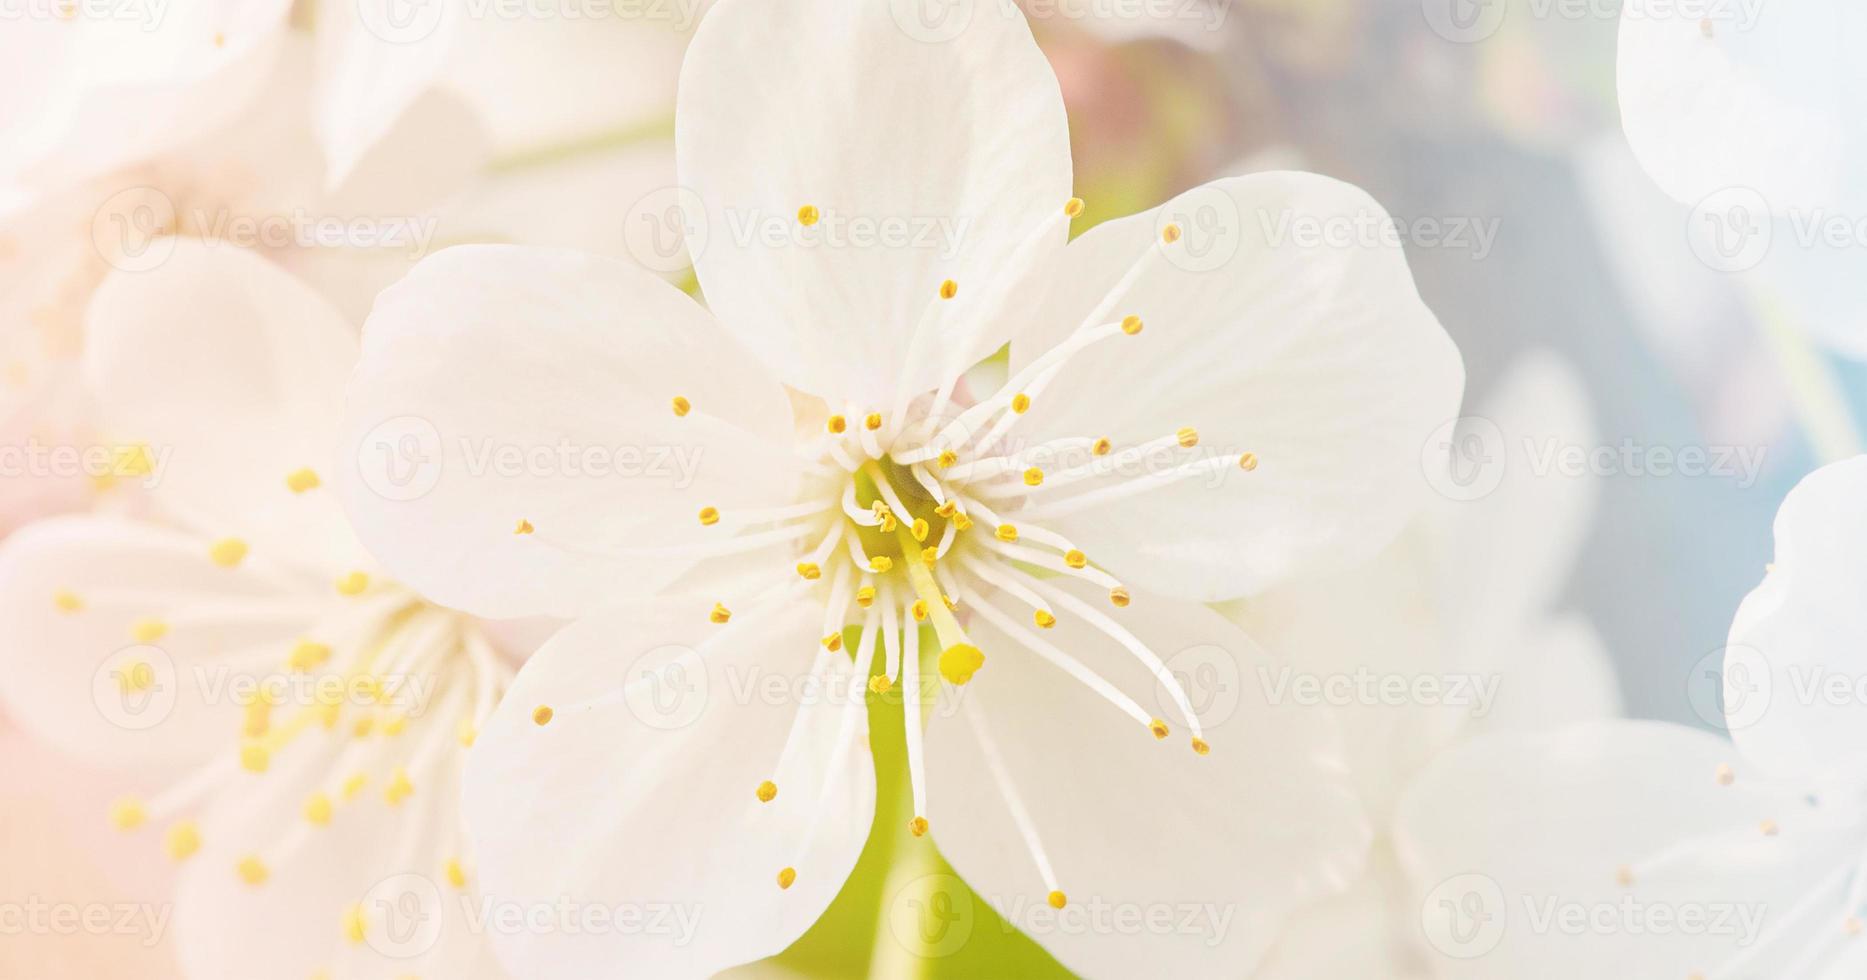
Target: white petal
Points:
(501, 384)
(375, 57)
(1506, 831)
(1133, 825)
(1766, 102)
(112, 90)
(1556, 673)
(392, 863)
(649, 799)
(231, 372)
(1366, 932)
(931, 152)
(1284, 324)
(1803, 631)
(65, 667)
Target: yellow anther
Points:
(1768, 828)
(809, 570)
(254, 757)
(959, 662)
(220, 40)
(524, 527)
(808, 215)
(872, 421)
(948, 509)
(786, 877)
(1200, 747)
(1073, 207)
(1075, 559)
(542, 714)
(1852, 926)
(930, 555)
(1624, 876)
(918, 826)
(355, 926)
(1101, 447)
(919, 609)
(1033, 477)
(1044, 618)
(227, 552)
(395, 724)
(881, 563)
(720, 614)
(709, 516)
(888, 525)
(137, 676)
(1170, 234)
(1187, 437)
(833, 642)
(865, 596)
(1726, 775)
(1131, 324)
(682, 406)
(148, 630)
(467, 733)
(182, 841)
(1159, 728)
(328, 712)
(837, 425)
(399, 787)
(456, 873)
(766, 792)
(362, 727)
(299, 481)
(318, 810)
(67, 602)
(947, 458)
(353, 583)
(879, 684)
(252, 870)
(952, 604)
(1006, 532)
(127, 814)
(258, 719)
(961, 522)
(134, 460)
(1248, 462)
(1021, 403)
(949, 289)
(307, 655)
(1119, 596)
(1057, 900)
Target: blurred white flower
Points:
(1750, 113)
(1460, 617)
(631, 765)
(312, 715)
(1693, 856)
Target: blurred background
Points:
(1488, 128)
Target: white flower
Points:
(1198, 405)
(302, 718)
(1649, 827)
(1462, 614)
(1749, 114)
